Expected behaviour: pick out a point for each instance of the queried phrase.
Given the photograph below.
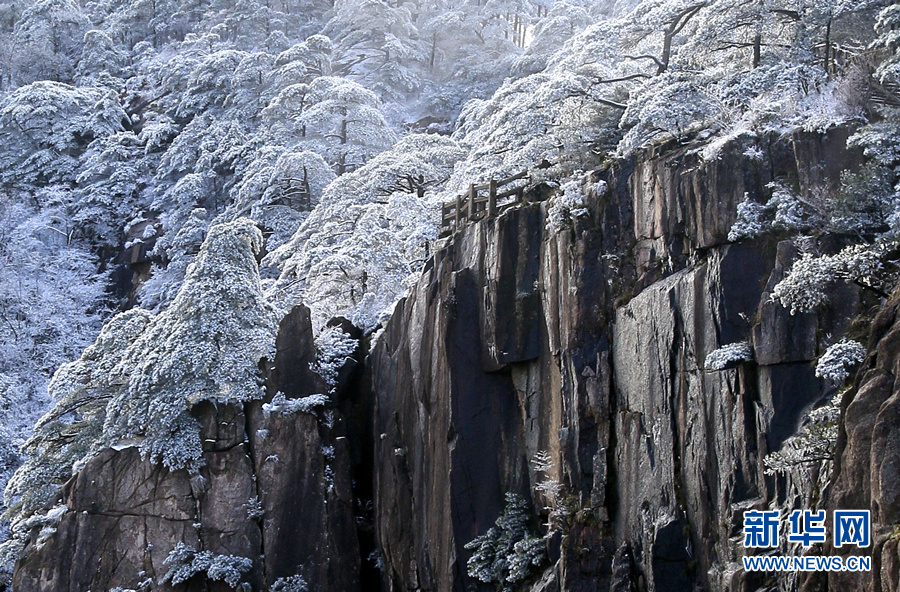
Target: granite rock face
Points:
(867, 467)
(590, 344)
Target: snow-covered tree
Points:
(176, 253)
(206, 345)
(378, 45)
(333, 348)
(49, 36)
(112, 174)
(728, 356)
(44, 127)
(671, 105)
(556, 119)
(343, 123)
(278, 190)
(210, 82)
(185, 562)
(561, 22)
(508, 552)
(355, 253)
(103, 62)
(52, 300)
(815, 443)
(291, 584)
(137, 383)
(807, 285)
(837, 361)
(63, 438)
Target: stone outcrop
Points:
(867, 467)
(275, 488)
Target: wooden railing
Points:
(473, 205)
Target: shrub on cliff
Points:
(185, 562)
(508, 552)
(837, 361)
(816, 441)
(807, 285)
(728, 356)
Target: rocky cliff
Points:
(590, 344)
(275, 489)
(584, 348)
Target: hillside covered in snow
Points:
(176, 176)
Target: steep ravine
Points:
(587, 343)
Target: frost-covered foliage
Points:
(568, 205)
(815, 443)
(206, 346)
(728, 356)
(46, 522)
(784, 211)
(333, 348)
(807, 285)
(672, 105)
(278, 189)
(255, 510)
(52, 302)
(839, 359)
(45, 126)
(144, 124)
(865, 209)
(291, 584)
(137, 383)
(308, 404)
(507, 553)
(185, 562)
(561, 119)
(861, 206)
(359, 248)
(560, 501)
(179, 252)
(750, 221)
(63, 438)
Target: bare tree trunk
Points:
(433, 51)
(757, 49)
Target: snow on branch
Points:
(806, 286)
(185, 562)
(728, 356)
(334, 348)
(837, 361)
(815, 443)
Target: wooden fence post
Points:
(472, 194)
(458, 218)
(492, 198)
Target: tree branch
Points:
(655, 59)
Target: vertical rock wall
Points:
(590, 344)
